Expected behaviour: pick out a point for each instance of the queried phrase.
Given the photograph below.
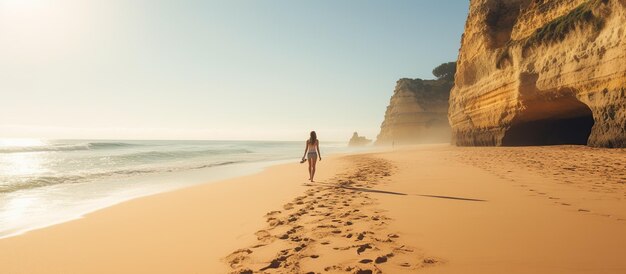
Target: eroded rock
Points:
(417, 113)
(536, 72)
(357, 140)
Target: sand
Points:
(431, 209)
(541, 211)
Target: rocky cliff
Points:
(540, 72)
(417, 113)
(357, 140)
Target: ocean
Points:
(44, 182)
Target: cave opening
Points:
(553, 122)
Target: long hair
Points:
(313, 138)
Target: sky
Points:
(215, 70)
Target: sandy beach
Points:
(431, 209)
(478, 136)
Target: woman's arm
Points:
(306, 147)
(319, 154)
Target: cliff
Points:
(357, 140)
(417, 113)
(541, 72)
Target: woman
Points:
(312, 151)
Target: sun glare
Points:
(21, 143)
(21, 7)
(19, 164)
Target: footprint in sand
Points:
(315, 223)
(383, 259)
(236, 258)
(362, 248)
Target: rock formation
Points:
(417, 113)
(541, 72)
(357, 140)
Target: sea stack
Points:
(357, 140)
(541, 73)
(417, 111)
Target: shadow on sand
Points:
(397, 193)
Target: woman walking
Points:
(312, 151)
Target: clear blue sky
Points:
(213, 69)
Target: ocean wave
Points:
(56, 147)
(65, 147)
(105, 145)
(216, 164)
(43, 181)
(178, 154)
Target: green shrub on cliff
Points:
(555, 30)
(558, 28)
(445, 71)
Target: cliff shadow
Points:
(559, 121)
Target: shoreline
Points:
(395, 211)
(127, 217)
(21, 210)
(193, 178)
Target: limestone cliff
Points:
(417, 113)
(540, 72)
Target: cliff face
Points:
(538, 72)
(417, 113)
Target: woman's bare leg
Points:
(312, 162)
(310, 168)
